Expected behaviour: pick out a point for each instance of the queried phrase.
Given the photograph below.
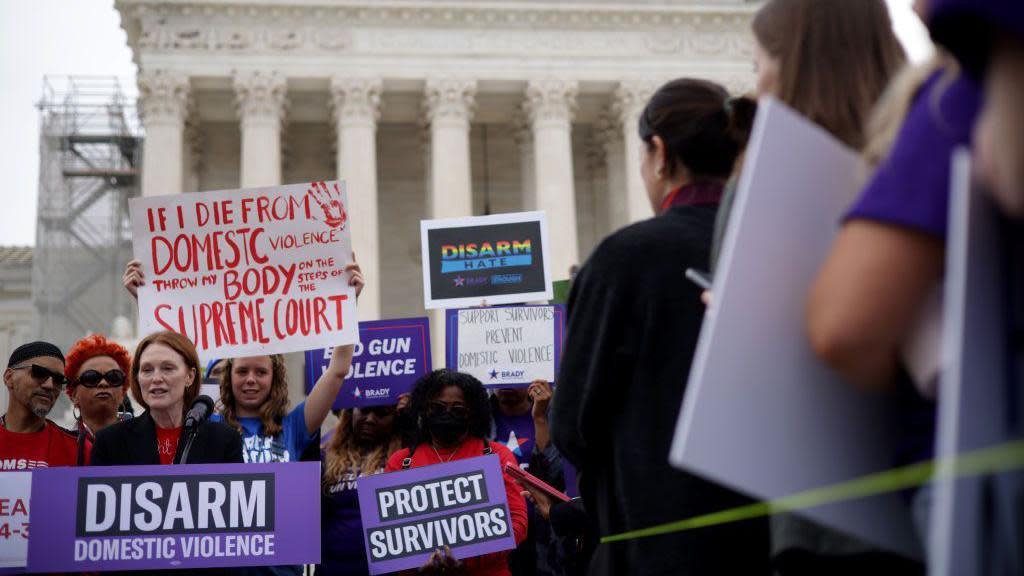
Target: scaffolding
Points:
(89, 151)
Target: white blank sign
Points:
(761, 413)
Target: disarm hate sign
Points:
(247, 272)
(409, 514)
(500, 259)
(506, 346)
(147, 517)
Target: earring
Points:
(660, 172)
(76, 413)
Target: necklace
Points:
(438, 454)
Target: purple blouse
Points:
(910, 189)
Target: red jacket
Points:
(490, 564)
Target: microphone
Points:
(201, 409)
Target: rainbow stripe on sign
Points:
(486, 255)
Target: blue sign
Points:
(390, 356)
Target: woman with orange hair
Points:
(97, 370)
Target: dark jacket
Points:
(134, 442)
(633, 323)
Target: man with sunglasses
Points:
(34, 378)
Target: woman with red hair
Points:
(97, 371)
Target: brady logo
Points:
(506, 374)
(485, 255)
(377, 393)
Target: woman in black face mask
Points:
(453, 419)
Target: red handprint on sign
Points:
(330, 203)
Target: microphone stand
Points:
(192, 433)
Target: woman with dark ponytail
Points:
(633, 322)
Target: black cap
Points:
(34, 350)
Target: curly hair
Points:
(430, 386)
(92, 346)
(342, 453)
(274, 408)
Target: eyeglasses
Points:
(41, 374)
(92, 378)
(439, 408)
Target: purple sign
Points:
(409, 514)
(96, 519)
(390, 356)
(506, 346)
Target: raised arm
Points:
(322, 396)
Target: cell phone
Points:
(526, 478)
(699, 278)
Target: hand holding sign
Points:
(133, 278)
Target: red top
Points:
(167, 443)
(51, 446)
(693, 194)
(490, 564)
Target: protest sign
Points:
(977, 403)
(389, 357)
(500, 259)
(761, 413)
(154, 517)
(15, 489)
(409, 514)
(506, 347)
(247, 272)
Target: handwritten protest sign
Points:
(507, 346)
(15, 488)
(247, 272)
(409, 514)
(149, 517)
(390, 356)
(500, 259)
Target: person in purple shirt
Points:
(874, 311)
(359, 446)
(520, 422)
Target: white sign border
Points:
(462, 222)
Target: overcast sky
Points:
(84, 37)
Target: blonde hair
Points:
(892, 108)
(342, 453)
(274, 408)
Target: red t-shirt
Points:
(51, 446)
(495, 564)
(167, 443)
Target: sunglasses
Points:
(41, 374)
(92, 378)
(439, 408)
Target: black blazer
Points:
(134, 442)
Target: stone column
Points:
(355, 106)
(550, 104)
(627, 105)
(260, 97)
(163, 104)
(522, 132)
(448, 106)
(616, 201)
